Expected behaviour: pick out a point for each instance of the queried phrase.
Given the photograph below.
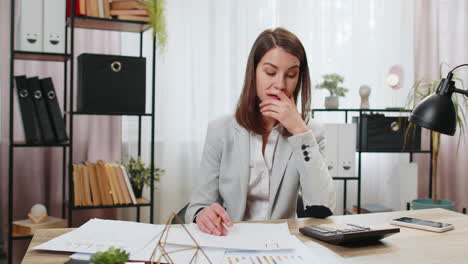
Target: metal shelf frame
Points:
(345, 180)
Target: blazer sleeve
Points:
(206, 191)
(317, 185)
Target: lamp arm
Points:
(461, 91)
(450, 75)
(459, 66)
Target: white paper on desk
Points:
(99, 235)
(300, 254)
(249, 236)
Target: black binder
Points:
(28, 112)
(41, 110)
(384, 133)
(53, 108)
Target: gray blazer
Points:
(224, 172)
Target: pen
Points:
(218, 221)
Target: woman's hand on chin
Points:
(284, 111)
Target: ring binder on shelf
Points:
(28, 112)
(53, 108)
(41, 109)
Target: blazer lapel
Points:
(282, 155)
(242, 148)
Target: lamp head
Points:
(437, 112)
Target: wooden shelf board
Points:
(109, 24)
(41, 56)
(140, 202)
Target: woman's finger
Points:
(210, 224)
(213, 218)
(273, 108)
(271, 114)
(270, 102)
(220, 211)
(203, 227)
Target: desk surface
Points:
(408, 246)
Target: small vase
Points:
(331, 102)
(138, 192)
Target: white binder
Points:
(331, 148)
(30, 25)
(54, 26)
(347, 150)
(403, 185)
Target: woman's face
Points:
(278, 70)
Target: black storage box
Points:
(111, 84)
(382, 133)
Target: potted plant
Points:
(332, 83)
(111, 256)
(421, 90)
(140, 175)
(157, 20)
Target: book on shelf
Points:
(92, 8)
(129, 12)
(112, 184)
(26, 227)
(101, 183)
(80, 7)
(94, 183)
(76, 185)
(132, 4)
(134, 18)
(106, 4)
(128, 184)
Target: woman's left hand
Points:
(284, 111)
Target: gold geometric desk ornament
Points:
(165, 255)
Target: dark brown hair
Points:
(248, 111)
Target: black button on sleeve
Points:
(306, 153)
(306, 158)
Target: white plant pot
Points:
(331, 102)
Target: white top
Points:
(260, 171)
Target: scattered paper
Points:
(99, 235)
(140, 240)
(249, 236)
(300, 254)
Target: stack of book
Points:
(134, 10)
(101, 184)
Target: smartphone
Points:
(422, 224)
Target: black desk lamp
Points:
(437, 112)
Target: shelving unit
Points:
(95, 23)
(68, 59)
(360, 151)
(12, 146)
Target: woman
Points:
(255, 163)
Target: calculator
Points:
(346, 234)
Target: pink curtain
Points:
(38, 171)
(441, 36)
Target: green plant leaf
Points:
(158, 21)
(140, 174)
(111, 256)
(331, 82)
